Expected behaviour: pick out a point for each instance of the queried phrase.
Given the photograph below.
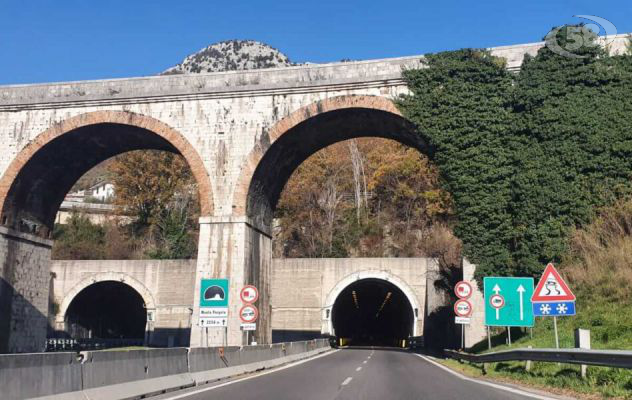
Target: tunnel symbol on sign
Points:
(214, 293)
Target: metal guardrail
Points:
(60, 344)
(603, 358)
(416, 342)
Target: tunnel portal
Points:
(107, 310)
(372, 312)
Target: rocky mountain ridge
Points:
(231, 55)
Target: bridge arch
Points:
(35, 183)
(364, 276)
(316, 126)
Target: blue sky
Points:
(61, 40)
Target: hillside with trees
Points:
(367, 197)
(157, 193)
(527, 156)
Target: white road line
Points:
(364, 362)
(346, 381)
(359, 369)
(483, 382)
(189, 394)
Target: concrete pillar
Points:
(24, 289)
(233, 248)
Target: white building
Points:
(103, 191)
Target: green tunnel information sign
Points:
(214, 293)
(508, 301)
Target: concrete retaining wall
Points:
(113, 367)
(30, 375)
(112, 375)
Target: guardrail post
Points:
(582, 341)
(527, 367)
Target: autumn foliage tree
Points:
(363, 197)
(157, 190)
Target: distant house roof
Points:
(102, 183)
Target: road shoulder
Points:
(192, 391)
(472, 374)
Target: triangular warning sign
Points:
(552, 287)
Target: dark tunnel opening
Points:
(107, 310)
(372, 312)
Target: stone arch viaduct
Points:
(242, 133)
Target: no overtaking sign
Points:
(249, 313)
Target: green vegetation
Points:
(526, 157)
(158, 208)
(609, 326)
(79, 239)
(460, 104)
(598, 266)
(539, 165)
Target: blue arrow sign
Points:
(554, 309)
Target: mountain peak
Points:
(231, 55)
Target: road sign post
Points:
(463, 311)
(508, 301)
(249, 295)
(213, 303)
(462, 307)
(553, 298)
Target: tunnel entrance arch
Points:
(372, 312)
(107, 310)
(375, 284)
(107, 287)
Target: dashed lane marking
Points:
(346, 381)
(358, 369)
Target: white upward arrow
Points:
(521, 291)
(496, 290)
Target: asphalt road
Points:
(359, 374)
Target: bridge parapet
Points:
(239, 83)
(202, 86)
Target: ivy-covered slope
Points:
(527, 156)
(461, 105)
